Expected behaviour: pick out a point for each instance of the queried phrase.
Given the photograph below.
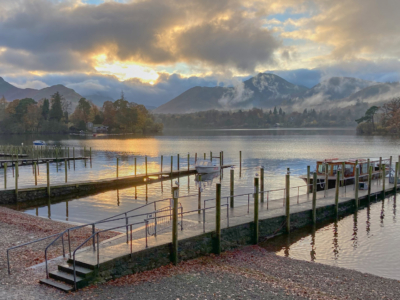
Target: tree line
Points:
(52, 116)
(384, 119)
(259, 118)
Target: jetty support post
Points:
(383, 177)
(204, 156)
(396, 171)
(262, 184)
(199, 196)
(117, 166)
(48, 177)
(161, 163)
(135, 165)
(35, 167)
(66, 170)
(145, 163)
(390, 167)
(174, 250)
(217, 241)
(73, 155)
(195, 158)
(343, 172)
(326, 180)
(337, 193)
(232, 188)
(172, 164)
(177, 163)
(314, 199)
(308, 180)
(188, 162)
(5, 175)
(90, 156)
(357, 185)
(240, 163)
(256, 215)
(380, 167)
(222, 158)
(369, 180)
(287, 186)
(210, 155)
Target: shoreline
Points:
(247, 272)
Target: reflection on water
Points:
(366, 241)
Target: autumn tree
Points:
(391, 115)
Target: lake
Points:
(275, 149)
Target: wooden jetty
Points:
(13, 155)
(10, 196)
(42, 160)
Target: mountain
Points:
(336, 88)
(98, 99)
(11, 93)
(263, 90)
(377, 93)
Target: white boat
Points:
(205, 167)
(39, 143)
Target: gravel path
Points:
(246, 273)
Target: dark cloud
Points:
(149, 32)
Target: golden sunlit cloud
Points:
(124, 71)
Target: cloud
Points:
(239, 93)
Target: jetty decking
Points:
(41, 160)
(134, 251)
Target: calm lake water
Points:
(275, 149)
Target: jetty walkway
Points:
(162, 231)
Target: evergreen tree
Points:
(56, 112)
(45, 109)
(280, 110)
(275, 111)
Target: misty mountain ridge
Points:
(268, 90)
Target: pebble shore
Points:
(249, 272)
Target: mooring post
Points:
(16, 180)
(48, 177)
(210, 156)
(145, 163)
(240, 163)
(177, 163)
(262, 183)
(369, 180)
(222, 158)
(204, 156)
(117, 166)
(380, 166)
(343, 171)
(383, 177)
(199, 196)
(66, 171)
(217, 249)
(174, 250)
(232, 188)
(35, 167)
(56, 150)
(390, 167)
(188, 162)
(287, 186)
(337, 193)
(135, 166)
(314, 198)
(161, 163)
(308, 180)
(326, 179)
(195, 158)
(357, 185)
(84, 155)
(172, 164)
(73, 155)
(5, 176)
(396, 171)
(256, 206)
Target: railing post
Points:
(174, 250)
(217, 240)
(48, 178)
(308, 180)
(337, 193)
(199, 195)
(5, 175)
(396, 171)
(35, 167)
(232, 188)
(256, 204)
(357, 185)
(314, 199)
(383, 177)
(262, 183)
(287, 185)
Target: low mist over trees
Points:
(258, 118)
(51, 116)
(381, 120)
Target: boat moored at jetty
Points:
(39, 143)
(204, 167)
(327, 169)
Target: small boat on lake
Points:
(204, 167)
(39, 143)
(327, 169)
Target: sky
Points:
(154, 50)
